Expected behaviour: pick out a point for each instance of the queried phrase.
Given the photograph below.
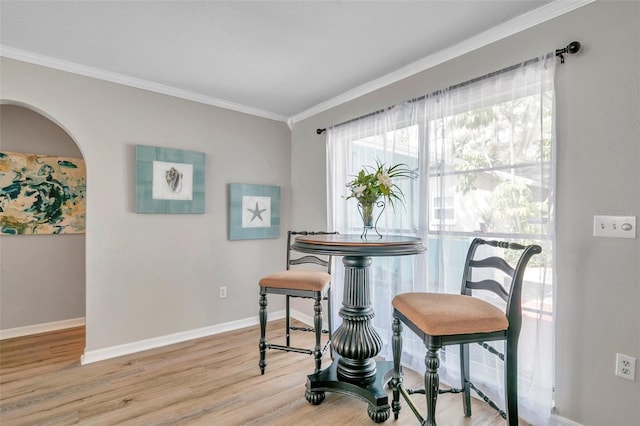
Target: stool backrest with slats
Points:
(511, 293)
(307, 258)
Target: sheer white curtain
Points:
(485, 156)
(390, 137)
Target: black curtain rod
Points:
(571, 48)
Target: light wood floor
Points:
(209, 381)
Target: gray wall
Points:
(598, 137)
(41, 276)
(153, 275)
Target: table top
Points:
(353, 245)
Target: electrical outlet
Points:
(626, 367)
(223, 292)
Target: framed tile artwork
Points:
(254, 211)
(169, 180)
(42, 194)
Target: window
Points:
(443, 211)
(487, 162)
(484, 152)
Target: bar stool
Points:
(298, 282)
(447, 319)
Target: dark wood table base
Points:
(356, 343)
(371, 391)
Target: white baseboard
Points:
(143, 345)
(562, 421)
(307, 319)
(28, 330)
(156, 342)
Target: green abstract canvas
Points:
(42, 194)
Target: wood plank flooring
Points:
(209, 381)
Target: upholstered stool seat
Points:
(439, 314)
(297, 279)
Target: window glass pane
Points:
(368, 150)
(486, 163)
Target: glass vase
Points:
(370, 213)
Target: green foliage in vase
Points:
(374, 182)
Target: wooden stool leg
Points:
(287, 321)
(464, 378)
(396, 381)
(263, 330)
(511, 381)
(317, 321)
(431, 384)
(330, 321)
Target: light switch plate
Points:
(614, 226)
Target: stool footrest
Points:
(492, 350)
(488, 400)
(310, 329)
(298, 350)
(440, 391)
(407, 398)
(290, 349)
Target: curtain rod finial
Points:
(573, 47)
(320, 131)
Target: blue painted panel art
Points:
(169, 180)
(254, 211)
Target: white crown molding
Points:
(74, 68)
(28, 330)
(523, 22)
(514, 26)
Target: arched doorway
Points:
(42, 282)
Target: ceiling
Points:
(282, 60)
